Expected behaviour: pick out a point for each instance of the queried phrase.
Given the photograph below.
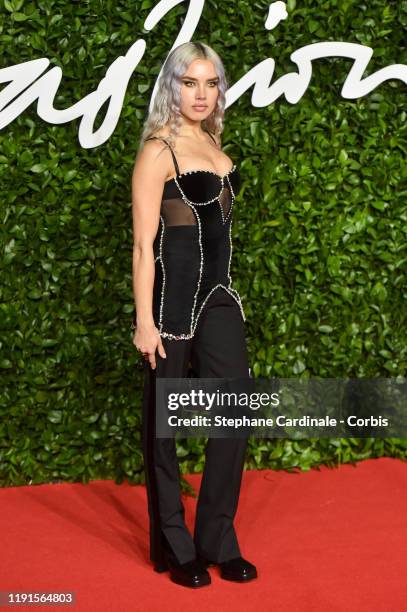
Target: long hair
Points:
(166, 106)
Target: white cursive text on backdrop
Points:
(26, 84)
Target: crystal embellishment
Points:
(194, 316)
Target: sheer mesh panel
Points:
(176, 212)
(225, 200)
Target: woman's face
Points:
(199, 90)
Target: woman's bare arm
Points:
(149, 173)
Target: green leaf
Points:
(325, 329)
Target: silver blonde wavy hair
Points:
(166, 105)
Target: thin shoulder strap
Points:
(211, 136)
(172, 152)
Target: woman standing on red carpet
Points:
(188, 317)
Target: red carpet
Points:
(334, 539)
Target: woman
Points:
(188, 317)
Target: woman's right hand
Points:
(147, 340)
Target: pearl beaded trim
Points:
(163, 271)
(196, 203)
(232, 292)
(231, 203)
(175, 179)
(221, 176)
(229, 289)
(230, 232)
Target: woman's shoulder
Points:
(154, 149)
(161, 133)
(157, 142)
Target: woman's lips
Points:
(201, 108)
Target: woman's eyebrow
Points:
(192, 78)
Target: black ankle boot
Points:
(190, 574)
(237, 569)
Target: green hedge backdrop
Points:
(319, 230)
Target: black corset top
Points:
(193, 247)
(202, 187)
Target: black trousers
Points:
(218, 349)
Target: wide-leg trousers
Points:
(217, 349)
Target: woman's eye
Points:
(212, 83)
